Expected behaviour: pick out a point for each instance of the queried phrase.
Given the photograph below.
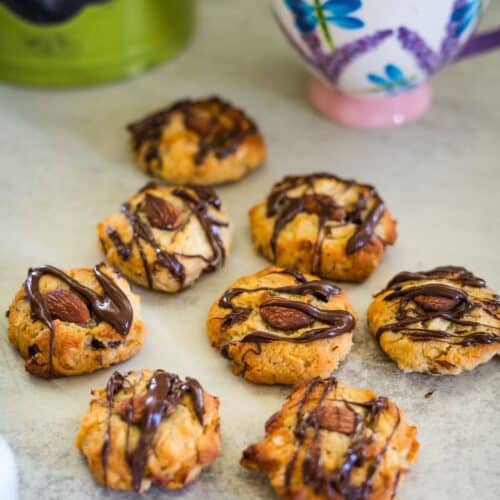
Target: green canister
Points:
(79, 42)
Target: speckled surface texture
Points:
(66, 164)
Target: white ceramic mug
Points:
(368, 48)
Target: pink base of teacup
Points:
(372, 111)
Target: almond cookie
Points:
(68, 323)
(280, 327)
(149, 427)
(164, 238)
(205, 141)
(324, 225)
(332, 441)
(441, 321)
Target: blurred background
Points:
(65, 164)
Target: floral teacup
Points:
(372, 59)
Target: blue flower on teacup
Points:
(338, 12)
(464, 15)
(392, 82)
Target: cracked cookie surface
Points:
(203, 141)
(332, 441)
(280, 327)
(440, 321)
(165, 238)
(319, 223)
(68, 323)
(149, 427)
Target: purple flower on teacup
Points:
(393, 82)
(338, 12)
(464, 15)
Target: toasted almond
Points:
(284, 318)
(132, 409)
(161, 213)
(67, 306)
(435, 303)
(199, 122)
(336, 419)
(324, 206)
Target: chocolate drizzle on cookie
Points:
(420, 304)
(164, 393)
(456, 274)
(285, 205)
(367, 228)
(198, 201)
(114, 385)
(351, 418)
(113, 307)
(220, 127)
(337, 322)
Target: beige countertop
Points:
(65, 164)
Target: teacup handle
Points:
(483, 42)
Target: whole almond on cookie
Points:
(132, 409)
(335, 418)
(435, 303)
(67, 306)
(162, 214)
(284, 318)
(324, 206)
(199, 122)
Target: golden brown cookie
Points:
(149, 427)
(441, 321)
(321, 224)
(280, 327)
(68, 323)
(332, 441)
(164, 238)
(205, 141)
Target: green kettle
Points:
(79, 42)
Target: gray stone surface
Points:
(65, 164)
